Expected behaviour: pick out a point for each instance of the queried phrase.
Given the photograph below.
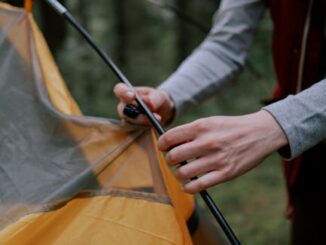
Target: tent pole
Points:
(156, 124)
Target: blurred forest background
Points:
(148, 39)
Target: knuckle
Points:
(182, 173)
(191, 190)
(202, 184)
(200, 125)
(211, 145)
(228, 171)
(173, 156)
(208, 144)
(168, 140)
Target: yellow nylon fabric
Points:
(28, 5)
(183, 203)
(56, 87)
(98, 220)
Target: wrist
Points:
(278, 138)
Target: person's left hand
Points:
(222, 148)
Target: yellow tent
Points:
(72, 179)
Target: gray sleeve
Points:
(302, 118)
(220, 57)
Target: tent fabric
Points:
(28, 5)
(68, 178)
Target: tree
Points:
(120, 29)
(53, 26)
(182, 34)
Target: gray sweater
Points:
(220, 58)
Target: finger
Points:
(128, 95)
(176, 136)
(124, 93)
(158, 117)
(195, 168)
(204, 182)
(144, 90)
(156, 99)
(186, 151)
(140, 120)
(120, 108)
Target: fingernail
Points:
(158, 117)
(130, 95)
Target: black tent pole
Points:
(156, 124)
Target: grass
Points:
(254, 204)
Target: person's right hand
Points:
(158, 101)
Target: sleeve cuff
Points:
(282, 116)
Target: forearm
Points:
(220, 57)
(302, 118)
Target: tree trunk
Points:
(53, 26)
(120, 28)
(182, 43)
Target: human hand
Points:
(158, 101)
(222, 147)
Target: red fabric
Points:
(289, 18)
